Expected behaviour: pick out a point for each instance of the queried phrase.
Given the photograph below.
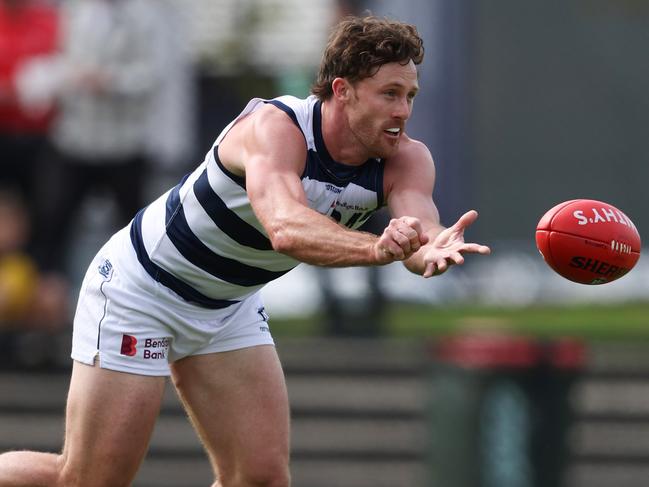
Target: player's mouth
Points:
(393, 132)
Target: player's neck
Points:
(338, 137)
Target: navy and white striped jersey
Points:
(201, 238)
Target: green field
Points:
(603, 322)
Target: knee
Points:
(258, 474)
(69, 476)
(74, 476)
(73, 480)
(277, 477)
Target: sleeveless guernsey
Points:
(202, 240)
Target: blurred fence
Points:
(360, 417)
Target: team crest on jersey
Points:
(105, 268)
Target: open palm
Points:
(449, 245)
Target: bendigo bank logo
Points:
(152, 348)
(128, 345)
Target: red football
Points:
(588, 241)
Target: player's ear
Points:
(340, 88)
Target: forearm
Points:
(316, 239)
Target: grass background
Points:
(626, 321)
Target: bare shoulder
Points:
(268, 134)
(411, 166)
(270, 117)
(267, 124)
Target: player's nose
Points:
(402, 109)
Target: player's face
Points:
(380, 106)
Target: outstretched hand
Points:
(449, 245)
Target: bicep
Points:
(273, 162)
(274, 191)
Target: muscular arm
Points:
(272, 151)
(410, 179)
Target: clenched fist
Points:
(400, 239)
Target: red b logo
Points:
(128, 345)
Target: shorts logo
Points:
(262, 312)
(128, 345)
(156, 348)
(105, 269)
(264, 316)
(152, 348)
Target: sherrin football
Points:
(588, 241)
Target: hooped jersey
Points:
(202, 239)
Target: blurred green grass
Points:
(628, 321)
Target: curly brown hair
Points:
(359, 46)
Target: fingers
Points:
(429, 271)
(441, 263)
(474, 248)
(401, 238)
(449, 247)
(467, 219)
(411, 229)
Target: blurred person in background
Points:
(178, 291)
(29, 30)
(106, 73)
(30, 300)
(172, 125)
(33, 304)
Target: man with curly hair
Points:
(177, 292)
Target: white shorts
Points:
(129, 322)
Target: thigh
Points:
(109, 420)
(238, 403)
